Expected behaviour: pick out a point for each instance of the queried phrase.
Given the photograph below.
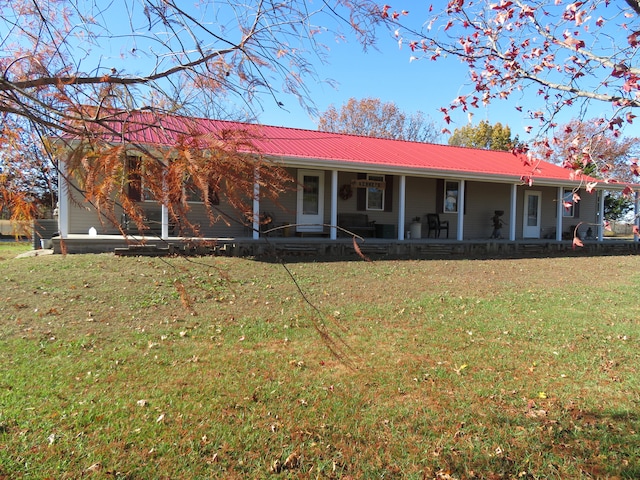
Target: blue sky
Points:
(387, 74)
(424, 85)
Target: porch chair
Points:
(434, 223)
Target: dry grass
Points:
(448, 369)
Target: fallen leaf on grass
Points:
(94, 468)
(460, 369)
(291, 462)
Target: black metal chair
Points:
(434, 223)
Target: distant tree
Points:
(484, 136)
(616, 206)
(583, 147)
(370, 117)
(28, 183)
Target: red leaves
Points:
(573, 42)
(635, 169)
(356, 247)
(447, 118)
(394, 15)
(455, 6)
(526, 180)
(577, 242)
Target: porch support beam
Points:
(256, 207)
(601, 214)
(402, 206)
(164, 219)
(635, 211)
(63, 200)
(461, 201)
(559, 199)
(333, 232)
(512, 212)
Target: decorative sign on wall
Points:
(364, 183)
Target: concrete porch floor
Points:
(273, 248)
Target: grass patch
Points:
(461, 369)
(12, 248)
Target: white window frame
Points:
(371, 190)
(451, 196)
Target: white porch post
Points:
(402, 206)
(601, 210)
(635, 211)
(559, 208)
(164, 211)
(256, 207)
(461, 200)
(164, 219)
(512, 214)
(333, 233)
(63, 200)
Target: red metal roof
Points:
(316, 147)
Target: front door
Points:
(531, 224)
(310, 210)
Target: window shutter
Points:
(466, 198)
(576, 206)
(439, 195)
(388, 193)
(361, 194)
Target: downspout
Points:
(461, 201)
(256, 206)
(333, 232)
(559, 214)
(601, 208)
(63, 200)
(635, 212)
(512, 216)
(164, 211)
(402, 206)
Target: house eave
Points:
(346, 166)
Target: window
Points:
(375, 192)
(194, 194)
(571, 203)
(568, 203)
(450, 204)
(136, 187)
(310, 194)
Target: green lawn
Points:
(523, 369)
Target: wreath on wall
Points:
(346, 192)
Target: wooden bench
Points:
(357, 223)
